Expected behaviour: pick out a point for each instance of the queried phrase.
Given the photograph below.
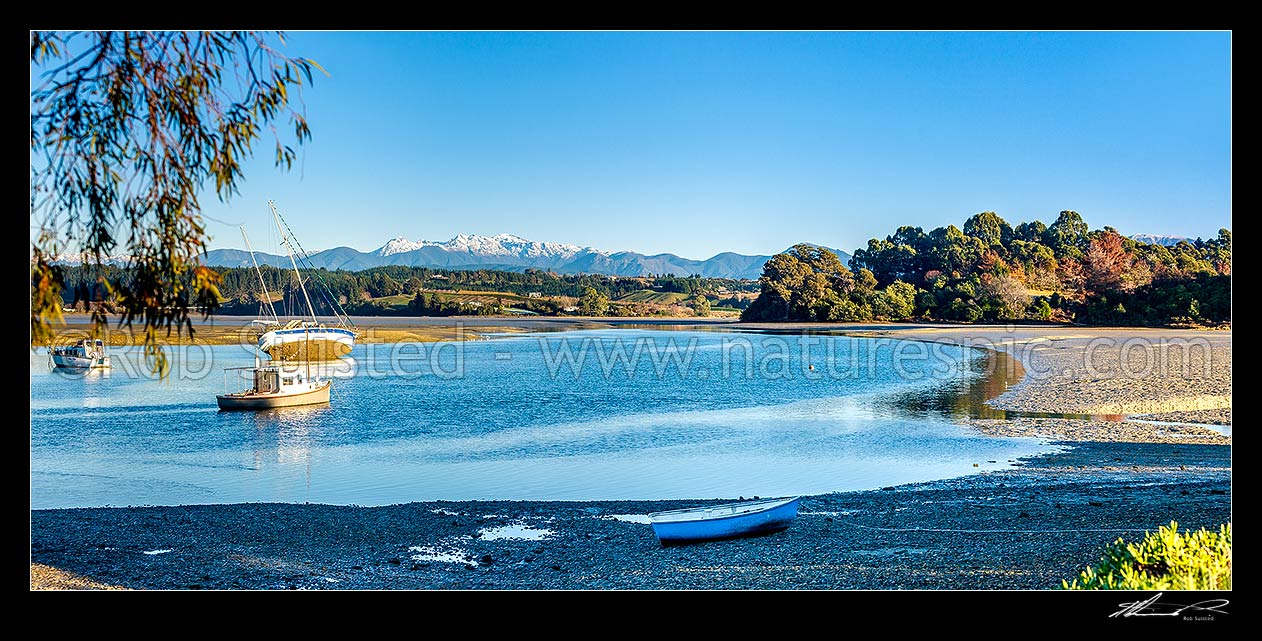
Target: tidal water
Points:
(581, 415)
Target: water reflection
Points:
(283, 439)
(286, 431)
(991, 373)
(293, 445)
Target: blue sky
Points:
(696, 143)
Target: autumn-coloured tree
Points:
(1070, 274)
(1110, 266)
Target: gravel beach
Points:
(1026, 527)
(1159, 373)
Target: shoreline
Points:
(233, 330)
(1026, 527)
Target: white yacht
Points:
(300, 339)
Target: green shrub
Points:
(1040, 310)
(1163, 560)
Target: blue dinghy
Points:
(724, 521)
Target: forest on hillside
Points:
(426, 290)
(991, 271)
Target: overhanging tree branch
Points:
(127, 129)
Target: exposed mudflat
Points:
(1023, 528)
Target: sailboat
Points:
(300, 339)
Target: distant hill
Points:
(511, 253)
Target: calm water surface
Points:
(698, 415)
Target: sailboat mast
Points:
(267, 297)
(290, 249)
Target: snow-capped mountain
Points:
(498, 245)
(400, 245)
(1159, 239)
(74, 258)
(511, 253)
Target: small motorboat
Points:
(277, 386)
(85, 354)
(725, 521)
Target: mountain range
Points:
(1159, 239)
(511, 253)
(514, 253)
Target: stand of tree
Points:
(357, 292)
(431, 304)
(991, 271)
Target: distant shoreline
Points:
(230, 330)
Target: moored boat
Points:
(85, 354)
(726, 521)
(306, 341)
(300, 339)
(277, 386)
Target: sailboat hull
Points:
(307, 343)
